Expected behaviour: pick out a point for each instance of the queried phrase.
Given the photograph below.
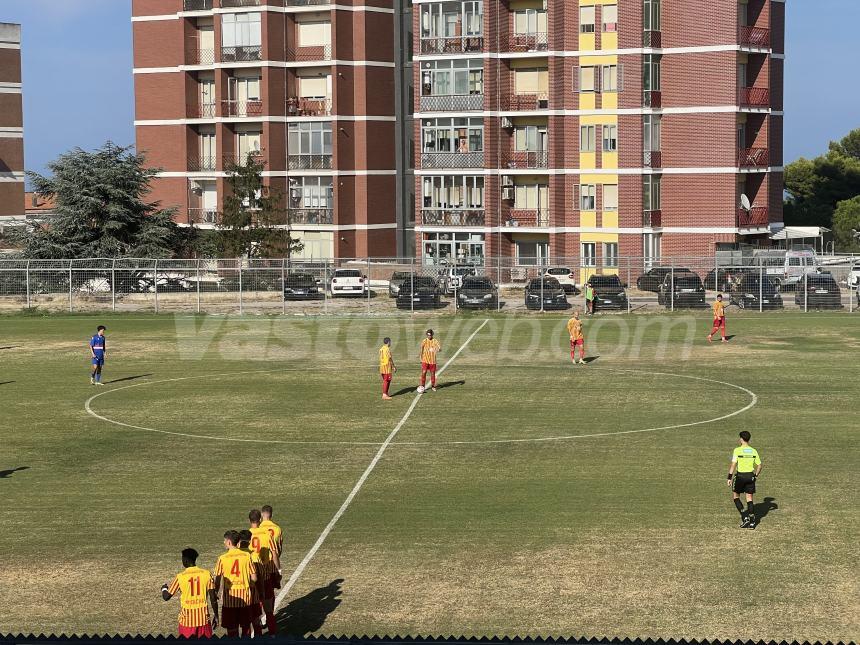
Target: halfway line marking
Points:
(328, 529)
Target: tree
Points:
(253, 222)
(846, 222)
(101, 210)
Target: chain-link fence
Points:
(405, 286)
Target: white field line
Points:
(355, 489)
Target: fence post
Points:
(672, 287)
(113, 285)
(27, 280)
(284, 286)
(498, 282)
(70, 285)
(412, 288)
(197, 269)
(760, 286)
(325, 286)
(627, 290)
(155, 282)
(805, 292)
(241, 299)
(368, 285)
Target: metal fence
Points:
(385, 286)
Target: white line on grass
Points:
(328, 529)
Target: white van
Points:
(786, 268)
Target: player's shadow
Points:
(442, 386)
(10, 347)
(730, 336)
(6, 382)
(308, 614)
(127, 378)
(763, 507)
(4, 474)
(591, 359)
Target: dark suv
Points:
(653, 278)
(419, 292)
(818, 290)
(477, 292)
(302, 286)
(747, 290)
(397, 278)
(545, 293)
(609, 292)
(681, 290)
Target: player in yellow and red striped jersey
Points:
(574, 328)
(386, 367)
(430, 347)
(255, 609)
(277, 536)
(235, 570)
(195, 585)
(269, 554)
(719, 308)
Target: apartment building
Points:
(307, 87)
(11, 125)
(596, 128)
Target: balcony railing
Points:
(202, 163)
(307, 3)
(652, 218)
(533, 217)
(309, 162)
(241, 53)
(758, 37)
(242, 108)
(652, 159)
(240, 3)
(753, 158)
(199, 56)
(525, 159)
(755, 217)
(512, 101)
(310, 216)
(196, 5)
(302, 106)
(754, 97)
(452, 217)
(653, 39)
(236, 159)
(203, 216)
(453, 45)
(452, 103)
(452, 159)
(201, 111)
(533, 42)
(311, 53)
(652, 98)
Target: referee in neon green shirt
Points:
(743, 471)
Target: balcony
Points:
(310, 215)
(757, 37)
(532, 42)
(452, 217)
(309, 162)
(530, 217)
(201, 111)
(452, 45)
(652, 218)
(525, 159)
(517, 102)
(202, 163)
(652, 99)
(452, 103)
(652, 159)
(756, 217)
(652, 39)
(452, 160)
(753, 158)
(199, 56)
(196, 5)
(310, 53)
(203, 216)
(302, 106)
(758, 97)
(240, 3)
(242, 108)
(241, 54)
(236, 159)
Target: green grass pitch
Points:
(477, 519)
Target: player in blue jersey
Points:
(97, 348)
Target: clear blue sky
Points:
(78, 88)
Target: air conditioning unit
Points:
(507, 123)
(507, 180)
(508, 192)
(543, 104)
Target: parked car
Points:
(302, 286)
(609, 292)
(478, 292)
(419, 292)
(566, 278)
(681, 290)
(747, 290)
(452, 277)
(653, 278)
(397, 278)
(726, 276)
(854, 276)
(818, 290)
(348, 282)
(545, 293)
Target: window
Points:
(530, 138)
(452, 135)
(531, 197)
(588, 78)
(455, 192)
(529, 21)
(532, 253)
(610, 78)
(311, 192)
(610, 17)
(651, 15)
(610, 138)
(247, 143)
(586, 20)
(610, 254)
(309, 138)
(314, 87)
(587, 138)
(313, 34)
(651, 124)
(651, 73)
(207, 92)
(651, 248)
(447, 77)
(587, 194)
(452, 19)
(588, 254)
(531, 81)
(651, 192)
(241, 30)
(208, 150)
(610, 197)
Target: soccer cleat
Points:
(99, 383)
(92, 381)
(745, 521)
(751, 523)
(582, 361)
(725, 340)
(385, 397)
(433, 388)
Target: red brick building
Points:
(11, 125)
(596, 128)
(307, 86)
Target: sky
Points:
(78, 87)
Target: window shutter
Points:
(575, 197)
(598, 77)
(574, 79)
(620, 77)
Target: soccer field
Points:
(526, 496)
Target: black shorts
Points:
(744, 483)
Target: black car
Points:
(609, 292)
(419, 292)
(747, 290)
(653, 278)
(302, 286)
(545, 293)
(726, 277)
(477, 292)
(397, 278)
(681, 290)
(818, 290)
